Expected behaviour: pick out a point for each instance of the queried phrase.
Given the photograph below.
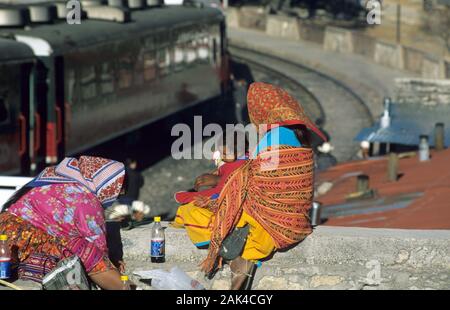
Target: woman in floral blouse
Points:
(60, 214)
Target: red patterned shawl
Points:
(278, 194)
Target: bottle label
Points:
(5, 268)
(157, 248)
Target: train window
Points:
(214, 50)
(149, 43)
(106, 75)
(178, 56)
(149, 66)
(191, 52)
(163, 61)
(70, 84)
(125, 72)
(88, 87)
(203, 49)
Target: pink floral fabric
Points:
(70, 211)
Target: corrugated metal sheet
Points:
(408, 122)
(371, 206)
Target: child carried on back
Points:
(230, 156)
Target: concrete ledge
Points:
(338, 40)
(327, 245)
(389, 55)
(330, 258)
(283, 26)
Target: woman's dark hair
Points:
(303, 134)
(16, 196)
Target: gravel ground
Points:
(168, 177)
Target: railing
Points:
(8, 185)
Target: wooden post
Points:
(362, 183)
(393, 167)
(399, 14)
(439, 137)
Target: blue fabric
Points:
(275, 137)
(202, 244)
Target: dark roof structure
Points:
(11, 51)
(64, 37)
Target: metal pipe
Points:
(393, 167)
(362, 183)
(439, 136)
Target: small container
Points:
(5, 258)
(157, 243)
(314, 213)
(125, 283)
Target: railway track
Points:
(344, 113)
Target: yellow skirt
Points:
(197, 221)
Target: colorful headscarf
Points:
(103, 177)
(273, 106)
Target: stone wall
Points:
(412, 12)
(342, 41)
(413, 60)
(338, 40)
(331, 258)
(389, 55)
(429, 92)
(283, 26)
(363, 45)
(432, 68)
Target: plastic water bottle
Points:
(157, 244)
(125, 283)
(5, 258)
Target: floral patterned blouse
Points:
(69, 211)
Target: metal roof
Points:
(64, 37)
(11, 51)
(419, 199)
(408, 122)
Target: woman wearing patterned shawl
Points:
(60, 214)
(272, 193)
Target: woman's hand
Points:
(122, 266)
(206, 180)
(201, 201)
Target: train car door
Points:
(14, 118)
(50, 112)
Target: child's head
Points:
(232, 145)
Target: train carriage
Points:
(100, 79)
(16, 132)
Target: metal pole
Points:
(362, 183)
(393, 167)
(439, 137)
(398, 22)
